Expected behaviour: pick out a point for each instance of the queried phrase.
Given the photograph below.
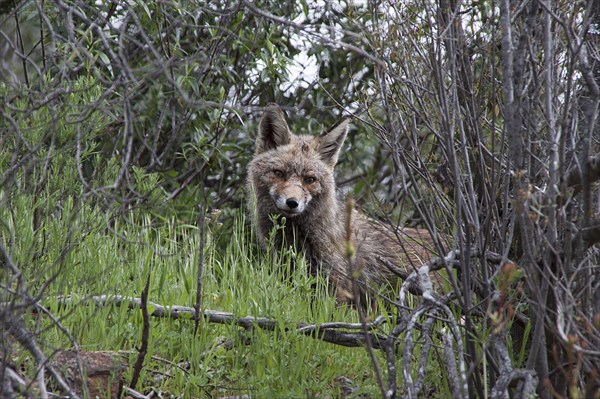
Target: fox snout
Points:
(291, 201)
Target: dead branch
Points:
(352, 272)
(430, 307)
(328, 332)
(139, 363)
(12, 382)
(137, 395)
(15, 326)
(507, 374)
(427, 333)
(419, 281)
(18, 331)
(198, 304)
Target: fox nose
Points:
(292, 203)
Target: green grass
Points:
(66, 244)
(68, 250)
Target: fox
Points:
(292, 176)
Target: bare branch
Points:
(25, 338)
(508, 374)
(328, 332)
(200, 269)
(143, 349)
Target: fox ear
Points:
(273, 130)
(330, 143)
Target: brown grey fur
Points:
(320, 230)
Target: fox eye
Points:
(278, 173)
(309, 180)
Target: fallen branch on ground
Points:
(329, 332)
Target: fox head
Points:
(292, 173)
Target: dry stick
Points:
(354, 274)
(508, 374)
(66, 332)
(451, 371)
(426, 333)
(135, 394)
(201, 222)
(390, 358)
(139, 363)
(22, 48)
(17, 330)
(407, 352)
(13, 381)
(41, 383)
(421, 278)
(390, 351)
(327, 332)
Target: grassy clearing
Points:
(66, 249)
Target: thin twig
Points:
(139, 363)
(354, 275)
(17, 330)
(198, 303)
